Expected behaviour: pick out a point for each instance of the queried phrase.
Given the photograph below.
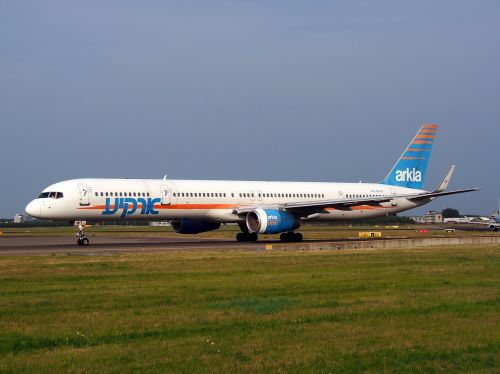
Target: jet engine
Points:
(270, 221)
(193, 226)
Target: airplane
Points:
(258, 207)
(494, 223)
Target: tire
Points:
(85, 242)
(285, 237)
(79, 242)
(253, 237)
(240, 237)
(297, 237)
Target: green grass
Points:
(425, 310)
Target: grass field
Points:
(426, 310)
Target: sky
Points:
(251, 90)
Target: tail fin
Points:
(411, 167)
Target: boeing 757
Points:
(195, 206)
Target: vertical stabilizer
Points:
(411, 167)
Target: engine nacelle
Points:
(270, 221)
(193, 226)
(493, 227)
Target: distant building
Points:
(431, 217)
(18, 218)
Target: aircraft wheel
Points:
(79, 242)
(289, 237)
(285, 237)
(85, 242)
(247, 237)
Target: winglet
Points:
(444, 184)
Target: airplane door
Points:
(166, 194)
(84, 194)
(259, 195)
(341, 194)
(252, 195)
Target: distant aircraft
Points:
(495, 219)
(195, 206)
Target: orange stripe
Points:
(429, 126)
(195, 206)
(416, 149)
(421, 136)
(163, 207)
(428, 130)
(421, 142)
(361, 207)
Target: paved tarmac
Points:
(43, 245)
(33, 245)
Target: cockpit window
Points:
(51, 195)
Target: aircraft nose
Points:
(34, 209)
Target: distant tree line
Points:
(450, 213)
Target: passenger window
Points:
(232, 194)
(97, 194)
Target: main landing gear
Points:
(82, 237)
(291, 236)
(247, 237)
(287, 237)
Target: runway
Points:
(102, 245)
(33, 245)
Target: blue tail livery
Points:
(410, 169)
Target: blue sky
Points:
(258, 90)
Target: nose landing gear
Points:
(81, 236)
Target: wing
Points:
(308, 207)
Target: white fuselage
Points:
(211, 200)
